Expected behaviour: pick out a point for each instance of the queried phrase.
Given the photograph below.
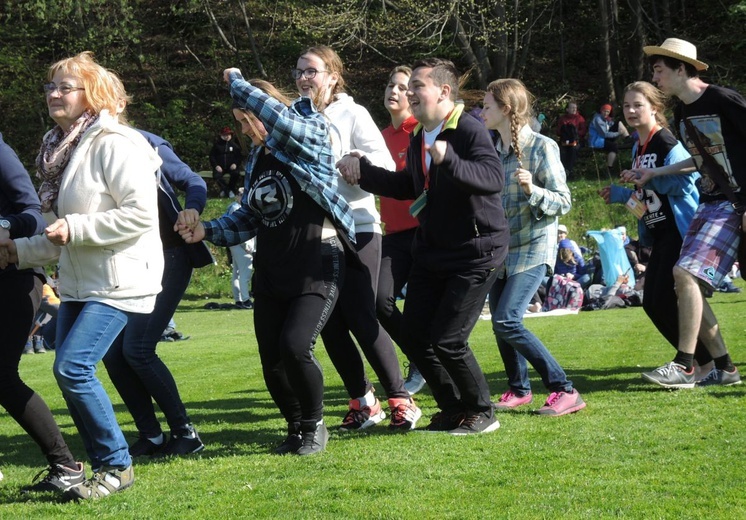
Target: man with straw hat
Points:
(712, 119)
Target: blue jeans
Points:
(509, 298)
(134, 367)
(85, 331)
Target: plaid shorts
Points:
(711, 243)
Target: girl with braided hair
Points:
(535, 194)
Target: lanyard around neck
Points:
(425, 169)
(641, 151)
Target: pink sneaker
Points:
(510, 400)
(562, 403)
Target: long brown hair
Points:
(655, 97)
(513, 93)
(333, 63)
(269, 89)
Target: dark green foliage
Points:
(170, 53)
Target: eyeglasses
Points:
(308, 73)
(64, 90)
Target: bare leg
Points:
(696, 317)
(610, 159)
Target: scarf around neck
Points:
(54, 155)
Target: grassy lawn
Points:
(634, 452)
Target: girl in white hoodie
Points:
(319, 75)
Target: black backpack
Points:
(568, 134)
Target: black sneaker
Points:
(145, 447)
(58, 478)
(183, 443)
(313, 441)
(445, 421)
(477, 422)
(292, 442)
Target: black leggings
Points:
(396, 263)
(21, 295)
(356, 313)
(286, 331)
(659, 298)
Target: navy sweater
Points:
(463, 224)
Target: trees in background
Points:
(170, 53)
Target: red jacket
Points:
(395, 213)
(575, 119)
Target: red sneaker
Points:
(404, 414)
(362, 417)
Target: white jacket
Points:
(353, 129)
(108, 196)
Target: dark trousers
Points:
(396, 263)
(286, 331)
(356, 314)
(135, 369)
(569, 156)
(440, 311)
(233, 178)
(659, 298)
(21, 295)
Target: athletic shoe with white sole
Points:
(721, 378)
(477, 422)
(361, 417)
(670, 375)
(404, 414)
(57, 478)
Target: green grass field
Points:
(635, 452)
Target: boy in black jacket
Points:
(455, 178)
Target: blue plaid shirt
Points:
(533, 219)
(299, 137)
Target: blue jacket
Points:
(599, 131)
(19, 203)
(175, 172)
(681, 190)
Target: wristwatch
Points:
(5, 224)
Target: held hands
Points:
(349, 168)
(638, 176)
(524, 178)
(188, 218)
(189, 227)
(58, 232)
(190, 235)
(8, 253)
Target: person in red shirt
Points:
(400, 225)
(570, 138)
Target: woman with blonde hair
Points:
(535, 194)
(320, 76)
(301, 224)
(99, 193)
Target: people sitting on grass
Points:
(603, 134)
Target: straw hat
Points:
(679, 49)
